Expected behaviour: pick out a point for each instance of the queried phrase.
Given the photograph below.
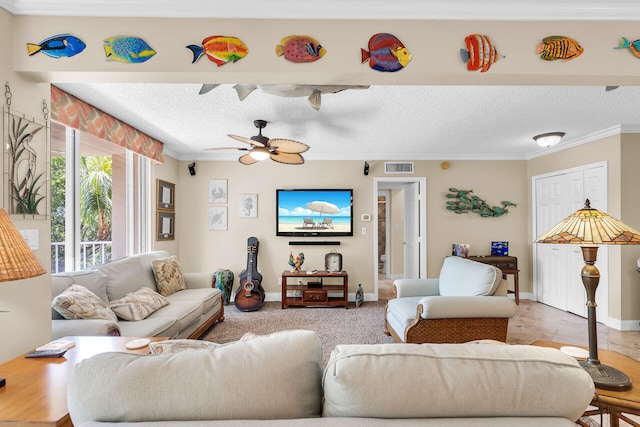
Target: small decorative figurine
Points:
(386, 53)
(466, 202)
(359, 296)
(480, 52)
(559, 47)
(300, 49)
(296, 262)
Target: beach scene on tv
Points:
(314, 211)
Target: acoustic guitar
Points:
(250, 294)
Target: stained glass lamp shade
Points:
(588, 228)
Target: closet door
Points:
(558, 281)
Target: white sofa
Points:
(277, 380)
(189, 314)
(467, 302)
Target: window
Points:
(99, 200)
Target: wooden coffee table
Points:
(614, 403)
(36, 390)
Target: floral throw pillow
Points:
(78, 302)
(138, 305)
(168, 274)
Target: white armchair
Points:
(467, 302)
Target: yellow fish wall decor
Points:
(559, 47)
(220, 49)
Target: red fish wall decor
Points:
(300, 49)
(220, 49)
(480, 52)
(559, 47)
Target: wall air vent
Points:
(398, 167)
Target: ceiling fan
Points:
(280, 150)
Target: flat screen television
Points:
(314, 212)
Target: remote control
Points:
(46, 353)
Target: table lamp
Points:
(17, 261)
(588, 228)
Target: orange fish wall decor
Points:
(300, 49)
(559, 47)
(220, 49)
(480, 52)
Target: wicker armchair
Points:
(467, 302)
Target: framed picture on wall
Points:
(218, 218)
(166, 195)
(248, 206)
(217, 191)
(165, 225)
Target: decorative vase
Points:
(359, 296)
(224, 282)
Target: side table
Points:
(506, 264)
(618, 404)
(36, 390)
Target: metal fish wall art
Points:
(480, 52)
(386, 53)
(127, 49)
(220, 49)
(559, 47)
(300, 49)
(633, 46)
(57, 46)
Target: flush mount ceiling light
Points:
(548, 139)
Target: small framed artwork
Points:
(248, 206)
(166, 195)
(218, 218)
(217, 191)
(165, 225)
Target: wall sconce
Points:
(548, 139)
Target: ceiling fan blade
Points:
(287, 158)
(229, 148)
(247, 160)
(246, 140)
(288, 145)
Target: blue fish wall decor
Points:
(127, 49)
(386, 53)
(633, 46)
(57, 46)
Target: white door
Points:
(557, 267)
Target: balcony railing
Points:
(91, 255)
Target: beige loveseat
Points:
(278, 380)
(189, 313)
(467, 302)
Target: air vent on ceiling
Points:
(398, 167)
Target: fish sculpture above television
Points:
(633, 46)
(300, 49)
(58, 46)
(480, 52)
(220, 49)
(386, 53)
(127, 49)
(559, 47)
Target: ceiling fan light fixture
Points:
(548, 139)
(259, 153)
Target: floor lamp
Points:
(17, 261)
(588, 228)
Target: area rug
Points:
(361, 325)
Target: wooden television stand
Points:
(300, 294)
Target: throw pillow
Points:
(78, 302)
(168, 274)
(176, 346)
(138, 305)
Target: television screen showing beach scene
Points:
(303, 212)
